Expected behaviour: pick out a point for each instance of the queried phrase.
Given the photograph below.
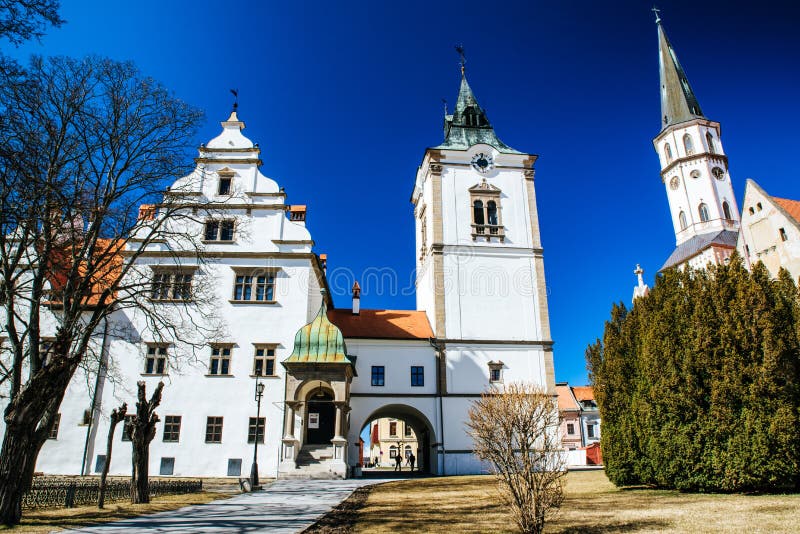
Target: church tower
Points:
(480, 266)
(694, 170)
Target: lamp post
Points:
(254, 469)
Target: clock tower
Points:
(480, 264)
(694, 170)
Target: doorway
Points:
(320, 418)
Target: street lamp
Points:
(254, 470)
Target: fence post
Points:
(69, 501)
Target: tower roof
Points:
(469, 125)
(678, 103)
(320, 341)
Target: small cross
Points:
(463, 60)
(235, 93)
(657, 12)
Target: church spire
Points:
(678, 103)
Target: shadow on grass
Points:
(621, 526)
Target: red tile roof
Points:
(583, 393)
(792, 207)
(382, 324)
(565, 399)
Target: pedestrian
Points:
(398, 462)
(411, 460)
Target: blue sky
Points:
(343, 99)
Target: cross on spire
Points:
(235, 93)
(658, 14)
(463, 58)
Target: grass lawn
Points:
(592, 505)
(50, 519)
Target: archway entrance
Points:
(398, 430)
(320, 418)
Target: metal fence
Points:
(50, 493)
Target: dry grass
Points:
(48, 520)
(592, 505)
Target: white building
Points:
(481, 320)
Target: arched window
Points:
(702, 210)
(751, 210)
(392, 451)
(710, 142)
(491, 212)
(726, 210)
(667, 152)
(682, 220)
(407, 451)
(688, 144)
(758, 206)
(477, 212)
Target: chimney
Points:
(356, 299)
(147, 212)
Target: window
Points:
(219, 230)
(477, 212)
(171, 285)
(234, 467)
(688, 144)
(220, 360)
(393, 428)
(251, 430)
(590, 430)
(571, 428)
(214, 430)
(702, 210)
(726, 210)
(682, 220)
(486, 218)
(378, 375)
(747, 250)
(407, 430)
(751, 210)
(417, 375)
(392, 451)
(407, 451)
(54, 429)
(127, 428)
(86, 419)
(491, 213)
(172, 428)
(46, 350)
(667, 153)
(167, 466)
(782, 233)
(423, 240)
(494, 375)
(758, 206)
(264, 361)
(156, 361)
(224, 186)
(710, 143)
(495, 371)
(256, 286)
(100, 463)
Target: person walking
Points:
(398, 462)
(411, 460)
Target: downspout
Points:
(440, 393)
(100, 370)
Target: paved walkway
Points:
(282, 507)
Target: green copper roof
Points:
(469, 125)
(320, 341)
(678, 103)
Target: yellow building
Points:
(390, 437)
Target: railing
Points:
(54, 493)
(488, 231)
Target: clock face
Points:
(718, 173)
(674, 182)
(482, 163)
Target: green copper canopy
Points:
(469, 125)
(320, 341)
(678, 103)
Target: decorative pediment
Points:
(226, 172)
(485, 188)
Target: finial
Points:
(444, 101)
(657, 12)
(235, 93)
(638, 270)
(463, 59)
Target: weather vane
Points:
(235, 93)
(657, 12)
(463, 60)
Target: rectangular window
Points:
(172, 428)
(214, 430)
(256, 286)
(234, 467)
(494, 375)
(408, 430)
(264, 361)
(393, 428)
(167, 466)
(224, 185)
(219, 230)
(156, 361)
(126, 428)
(417, 375)
(251, 430)
(100, 463)
(590, 430)
(782, 231)
(220, 360)
(570, 429)
(378, 375)
(86, 419)
(54, 429)
(171, 285)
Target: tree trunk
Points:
(17, 461)
(116, 417)
(143, 430)
(140, 487)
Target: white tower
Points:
(480, 269)
(694, 170)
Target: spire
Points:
(320, 341)
(641, 289)
(678, 103)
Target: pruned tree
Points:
(117, 416)
(142, 429)
(87, 149)
(515, 429)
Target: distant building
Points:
(570, 412)
(390, 437)
(590, 415)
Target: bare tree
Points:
(117, 416)
(516, 430)
(143, 430)
(22, 20)
(87, 148)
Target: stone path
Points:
(282, 507)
